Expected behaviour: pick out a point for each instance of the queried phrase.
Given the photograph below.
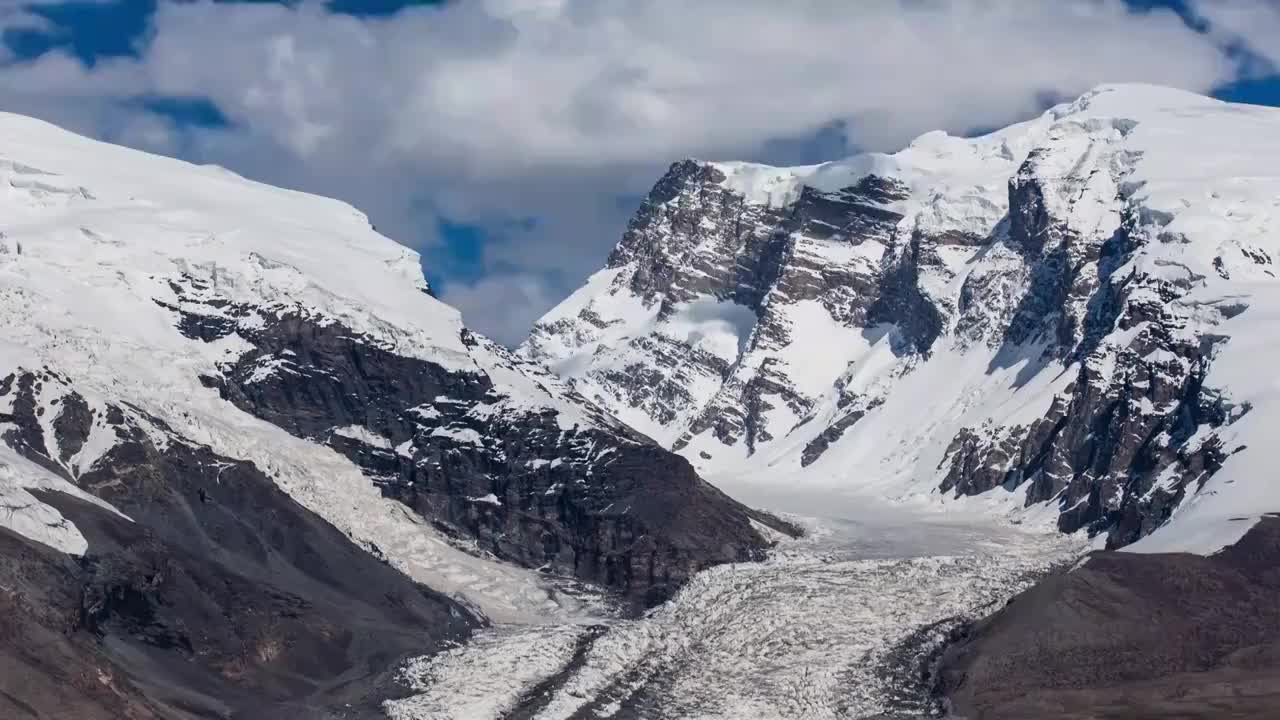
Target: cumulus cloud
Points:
(564, 111)
(1255, 24)
(510, 302)
(497, 87)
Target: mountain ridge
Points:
(249, 464)
(272, 464)
(965, 315)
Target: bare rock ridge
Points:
(1048, 314)
(213, 594)
(248, 463)
(596, 502)
(1128, 635)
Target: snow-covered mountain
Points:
(248, 463)
(1077, 312)
(236, 405)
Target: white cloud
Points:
(501, 87)
(1254, 23)
(554, 108)
(510, 303)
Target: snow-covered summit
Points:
(82, 205)
(151, 306)
(965, 316)
(942, 171)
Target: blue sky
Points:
(508, 140)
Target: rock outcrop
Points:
(204, 589)
(592, 500)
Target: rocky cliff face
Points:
(1033, 315)
(201, 589)
(591, 500)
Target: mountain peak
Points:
(1137, 98)
(154, 307)
(259, 243)
(946, 318)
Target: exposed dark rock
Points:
(909, 671)
(814, 449)
(660, 385)
(202, 315)
(218, 595)
(694, 238)
(599, 503)
(535, 699)
(24, 433)
(1132, 636)
(1120, 447)
(72, 425)
(49, 668)
(900, 302)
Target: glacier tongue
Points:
(829, 627)
(1074, 310)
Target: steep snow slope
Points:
(1078, 310)
(189, 304)
(92, 234)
